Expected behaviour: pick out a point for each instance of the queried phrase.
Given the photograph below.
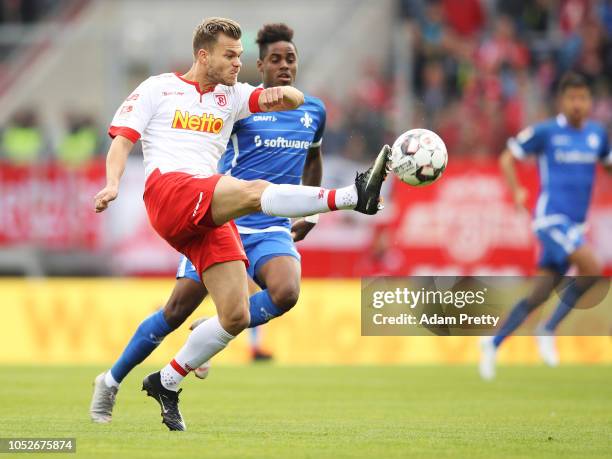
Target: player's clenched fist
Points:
(272, 97)
(104, 197)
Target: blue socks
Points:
(568, 301)
(154, 328)
(515, 319)
(262, 309)
(149, 334)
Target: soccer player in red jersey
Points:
(184, 123)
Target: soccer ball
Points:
(418, 157)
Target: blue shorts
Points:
(559, 240)
(259, 248)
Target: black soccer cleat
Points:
(368, 183)
(167, 399)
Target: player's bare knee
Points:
(284, 296)
(252, 193)
(235, 320)
(177, 311)
(537, 299)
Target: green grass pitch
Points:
(267, 411)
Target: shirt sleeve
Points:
(134, 114)
(605, 154)
(247, 100)
(530, 141)
(318, 137)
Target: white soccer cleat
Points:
(202, 371)
(548, 350)
(488, 355)
(103, 401)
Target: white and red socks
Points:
(205, 341)
(298, 201)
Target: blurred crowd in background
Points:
(475, 71)
(496, 64)
(26, 11)
(481, 69)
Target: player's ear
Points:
(202, 56)
(259, 65)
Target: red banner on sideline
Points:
(464, 224)
(50, 206)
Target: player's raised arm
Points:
(280, 98)
(115, 165)
(519, 193)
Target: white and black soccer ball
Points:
(418, 157)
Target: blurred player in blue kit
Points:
(567, 149)
(280, 147)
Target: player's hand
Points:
(271, 98)
(300, 229)
(520, 199)
(104, 197)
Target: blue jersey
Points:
(273, 146)
(566, 161)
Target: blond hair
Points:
(205, 34)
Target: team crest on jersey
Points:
(221, 100)
(593, 141)
(205, 123)
(306, 120)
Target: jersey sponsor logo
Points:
(264, 118)
(560, 140)
(221, 100)
(281, 142)
(205, 123)
(306, 120)
(575, 157)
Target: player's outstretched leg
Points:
(185, 298)
(234, 198)
(298, 201)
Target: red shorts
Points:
(179, 208)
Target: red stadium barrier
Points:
(50, 206)
(463, 224)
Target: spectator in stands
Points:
(23, 141)
(434, 91)
(81, 141)
(466, 17)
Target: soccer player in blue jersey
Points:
(281, 147)
(567, 148)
